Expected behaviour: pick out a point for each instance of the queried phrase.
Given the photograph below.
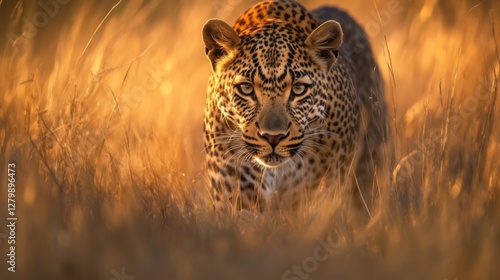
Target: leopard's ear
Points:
(220, 39)
(324, 43)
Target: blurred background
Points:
(101, 106)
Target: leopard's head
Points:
(270, 83)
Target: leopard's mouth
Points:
(274, 157)
(271, 160)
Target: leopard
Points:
(295, 100)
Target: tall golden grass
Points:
(101, 109)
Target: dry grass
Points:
(101, 111)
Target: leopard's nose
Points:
(273, 139)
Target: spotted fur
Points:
(295, 99)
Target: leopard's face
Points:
(271, 88)
(274, 93)
(273, 117)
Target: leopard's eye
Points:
(299, 89)
(245, 89)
